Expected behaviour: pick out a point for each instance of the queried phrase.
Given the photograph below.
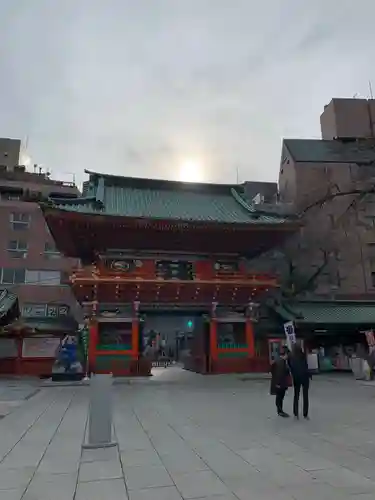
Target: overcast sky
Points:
(135, 87)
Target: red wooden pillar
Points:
(250, 341)
(213, 336)
(252, 313)
(135, 337)
(135, 330)
(19, 344)
(93, 342)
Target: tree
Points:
(331, 228)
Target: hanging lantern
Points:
(253, 311)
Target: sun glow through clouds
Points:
(191, 171)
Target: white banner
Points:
(40, 347)
(290, 334)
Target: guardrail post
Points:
(100, 428)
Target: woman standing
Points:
(280, 380)
(301, 379)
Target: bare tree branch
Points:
(321, 201)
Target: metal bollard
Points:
(99, 433)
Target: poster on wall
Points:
(40, 347)
(8, 348)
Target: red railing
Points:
(204, 272)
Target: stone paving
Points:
(14, 393)
(185, 436)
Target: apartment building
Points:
(30, 265)
(331, 183)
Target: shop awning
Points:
(328, 312)
(9, 309)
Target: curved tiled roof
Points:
(8, 301)
(159, 199)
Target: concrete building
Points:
(9, 154)
(29, 262)
(331, 182)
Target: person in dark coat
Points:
(280, 380)
(301, 379)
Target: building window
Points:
(10, 196)
(373, 279)
(36, 277)
(19, 221)
(50, 251)
(17, 249)
(12, 276)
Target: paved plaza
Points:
(186, 436)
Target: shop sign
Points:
(45, 310)
(57, 311)
(40, 347)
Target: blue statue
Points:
(67, 355)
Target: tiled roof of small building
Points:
(161, 199)
(331, 151)
(328, 312)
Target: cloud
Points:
(135, 87)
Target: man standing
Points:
(280, 380)
(301, 379)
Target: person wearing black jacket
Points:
(301, 379)
(280, 380)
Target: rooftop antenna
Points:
(237, 175)
(370, 88)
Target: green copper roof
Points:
(328, 312)
(159, 199)
(8, 304)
